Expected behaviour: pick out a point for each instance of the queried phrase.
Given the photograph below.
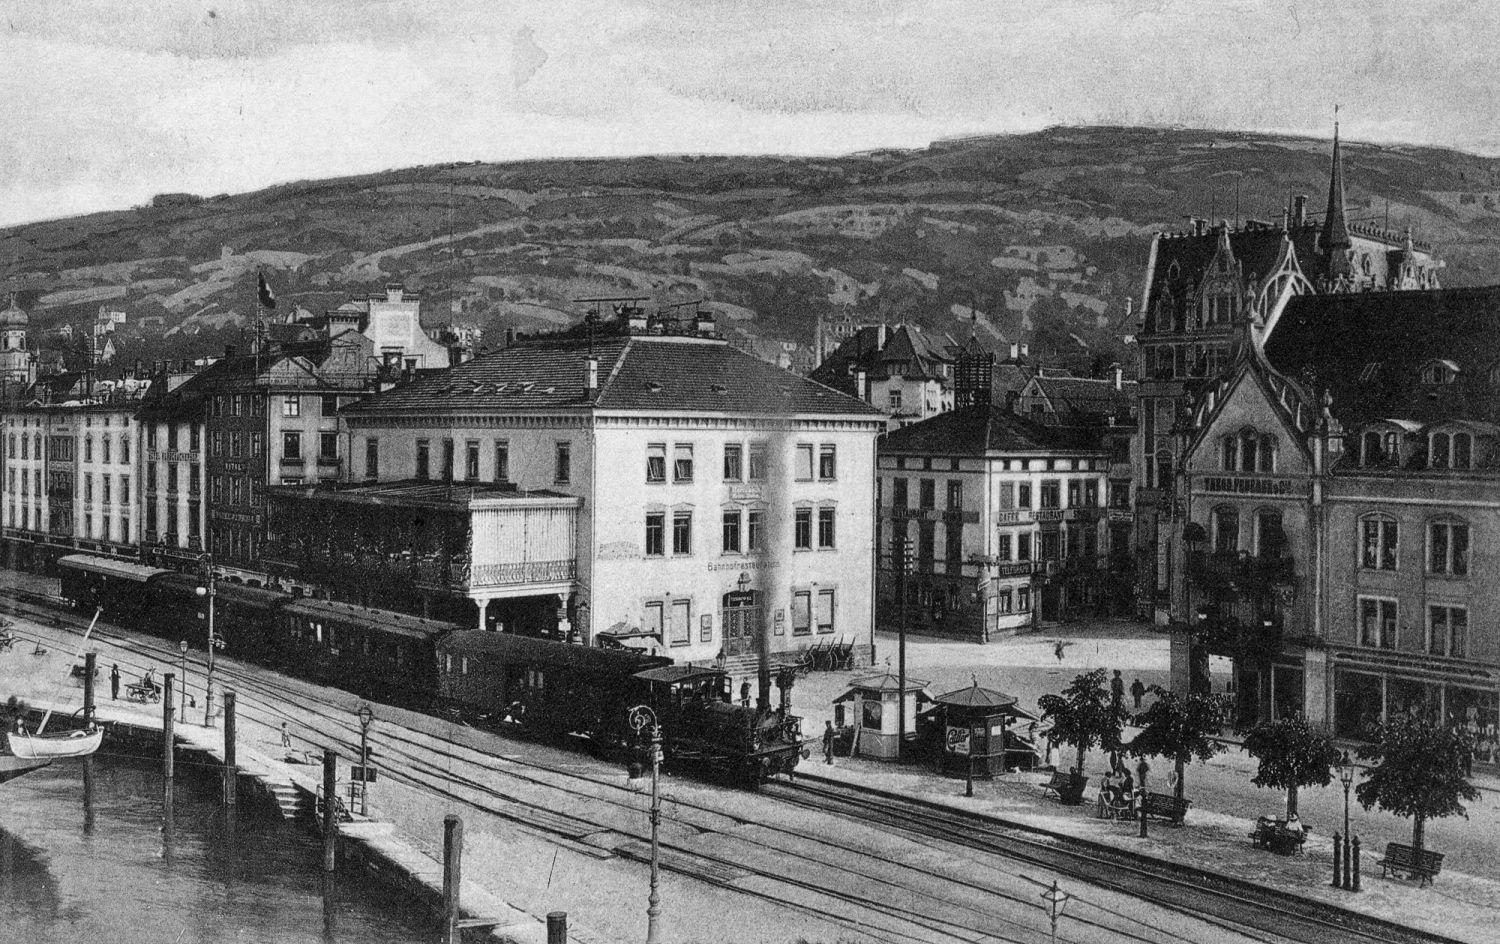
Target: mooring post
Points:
(453, 876)
(330, 809)
(90, 660)
(168, 719)
(557, 927)
(231, 767)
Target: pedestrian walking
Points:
(828, 743)
(1137, 691)
(1117, 689)
(286, 737)
(745, 694)
(114, 682)
(1057, 650)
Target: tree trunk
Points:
(1080, 760)
(1181, 769)
(1418, 827)
(1291, 802)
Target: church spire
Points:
(1335, 226)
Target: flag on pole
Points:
(267, 297)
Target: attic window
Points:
(1439, 372)
(718, 388)
(653, 387)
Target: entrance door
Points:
(1051, 603)
(741, 621)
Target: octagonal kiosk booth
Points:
(866, 714)
(973, 729)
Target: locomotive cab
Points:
(701, 725)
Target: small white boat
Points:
(55, 746)
(13, 767)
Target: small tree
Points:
(1292, 754)
(1085, 714)
(1181, 727)
(1419, 772)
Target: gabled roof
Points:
(920, 355)
(1082, 400)
(1330, 341)
(645, 373)
(982, 430)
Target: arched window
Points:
(1231, 451)
(1463, 451)
(1437, 451)
(1249, 449)
(1372, 453)
(1439, 372)
(1391, 443)
(1268, 453)
(1226, 530)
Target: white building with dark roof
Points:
(649, 481)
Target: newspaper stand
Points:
(875, 722)
(973, 729)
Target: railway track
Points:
(890, 900)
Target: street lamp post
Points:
(366, 718)
(902, 553)
(642, 717)
(1346, 777)
(209, 589)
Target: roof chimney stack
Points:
(1199, 225)
(1015, 351)
(591, 381)
(1299, 210)
(861, 385)
(880, 337)
(1024, 352)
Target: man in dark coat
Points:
(1137, 691)
(114, 682)
(828, 743)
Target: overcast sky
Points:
(106, 102)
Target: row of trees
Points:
(1417, 770)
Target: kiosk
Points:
(874, 721)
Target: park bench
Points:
(1166, 807)
(1272, 834)
(1061, 780)
(1403, 858)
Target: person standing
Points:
(1057, 650)
(114, 682)
(828, 743)
(1117, 690)
(286, 737)
(745, 694)
(1137, 691)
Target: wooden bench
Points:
(1272, 834)
(1403, 858)
(1060, 781)
(1166, 807)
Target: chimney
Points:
(1015, 351)
(1299, 210)
(880, 337)
(510, 337)
(1199, 225)
(591, 381)
(1117, 374)
(704, 324)
(1024, 352)
(860, 385)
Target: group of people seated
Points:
(1117, 793)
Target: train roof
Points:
(677, 674)
(110, 567)
(384, 620)
(548, 652)
(233, 592)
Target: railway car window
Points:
(755, 530)
(734, 462)
(802, 613)
(824, 613)
(682, 622)
(656, 462)
(655, 526)
(757, 462)
(471, 460)
(682, 462)
(804, 463)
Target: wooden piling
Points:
(453, 873)
(231, 768)
(90, 666)
(557, 927)
(330, 808)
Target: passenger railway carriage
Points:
(538, 687)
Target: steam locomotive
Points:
(540, 688)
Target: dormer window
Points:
(1438, 373)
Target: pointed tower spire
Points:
(1335, 225)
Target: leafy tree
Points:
(1420, 772)
(1181, 727)
(1085, 714)
(1292, 754)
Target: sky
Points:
(106, 102)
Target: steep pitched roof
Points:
(667, 373)
(980, 430)
(1368, 350)
(1335, 225)
(1083, 399)
(918, 354)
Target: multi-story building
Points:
(1343, 525)
(1001, 518)
(644, 477)
(1201, 288)
(173, 468)
(902, 371)
(17, 359)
